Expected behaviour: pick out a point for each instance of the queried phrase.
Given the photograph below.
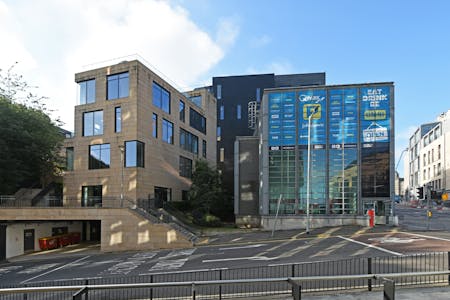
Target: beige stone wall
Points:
(122, 229)
(161, 159)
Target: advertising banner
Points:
(375, 114)
(282, 119)
(313, 102)
(343, 118)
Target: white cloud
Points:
(260, 41)
(227, 32)
(54, 39)
(277, 67)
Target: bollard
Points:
(296, 289)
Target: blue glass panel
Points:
(90, 91)
(88, 121)
(98, 122)
(113, 87)
(123, 85)
(130, 154)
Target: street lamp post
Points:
(122, 150)
(308, 168)
(395, 180)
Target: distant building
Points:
(428, 158)
(238, 101)
(351, 157)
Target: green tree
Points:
(206, 195)
(30, 141)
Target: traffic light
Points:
(419, 192)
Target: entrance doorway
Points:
(95, 230)
(91, 195)
(28, 240)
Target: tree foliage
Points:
(206, 195)
(30, 140)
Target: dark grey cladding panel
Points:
(293, 80)
(248, 176)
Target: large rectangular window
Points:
(219, 133)
(99, 156)
(134, 154)
(155, 125)
(93, 123)
(197, 121)
(118, 119)
(161, 97)
(221, 112)
(87, 91)
(238, 112)
(182, 111)
(69, 158)
(185, 167)
(197, 100)
(118, 86)
(219, 91)
(167, 131)
(188, 141)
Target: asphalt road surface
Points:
(416, 218)
(233, 252)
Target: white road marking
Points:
(182, 252)
(125, 267)
(395, 240)
(426, 236)
(5, 270)
(243, 247)
(240, 258)
(185, 271)
(236, 239)
(170, 264)
(59, 268)
(370, 246)
(37, 269)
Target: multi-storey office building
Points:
(427, 162)
(349, 147)
(136, 137)
(238, 101)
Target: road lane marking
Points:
(244, 247)
(396, 240)
(59, 268)
(184, 271)
(172, 264)
(426, 236)
(370, 246)
(240, 258)
(131, 263)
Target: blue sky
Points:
(189, 41)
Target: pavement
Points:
(245, 236)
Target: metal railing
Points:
(195, 289)
(351, 274)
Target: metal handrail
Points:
(381, 276)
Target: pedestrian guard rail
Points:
(363, 273)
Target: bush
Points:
(205, 219)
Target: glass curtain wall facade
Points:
(349, 142)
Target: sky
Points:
(190, 41)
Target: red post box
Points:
(371, 214)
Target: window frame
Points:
(96, 165)
(166, 125)
(118, 79)
(139, 155)
(155, 125)
(161, 102)
(85, 84)
(117, 119)
(92, 126)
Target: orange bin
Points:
(47, 243)
(63, 240)
(75, 237)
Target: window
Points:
(204, 148)
(222, 155)
(219, 133)
(439, 152)
(99, 156)
(424, 174)
(222, 112)
(197, 121)
(432, 155)
(161, 98)
(197, 100)
(424, 159)
(238, 112)
(182, 111)
(185, 167)
(69, 158)
(93, 123)
(87, 91)
(155, 125)
(167, 131)
(118, 86)
(134, 154)
(188, 141)
(118, 123)
(258, 95)
(219, 91)
(439, 169)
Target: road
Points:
(241, 250)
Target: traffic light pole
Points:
(428, 193)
